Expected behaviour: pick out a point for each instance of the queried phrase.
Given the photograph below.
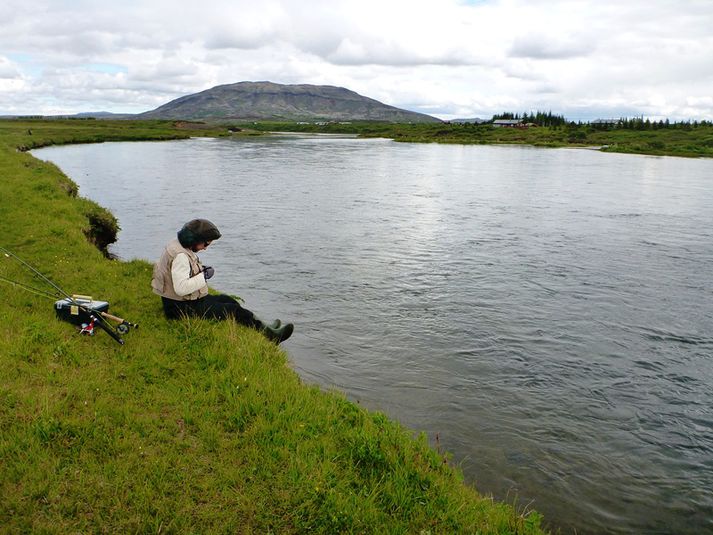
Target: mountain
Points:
(270, 101)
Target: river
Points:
(547, 314)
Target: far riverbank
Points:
(683, 140)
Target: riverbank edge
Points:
(192, 426)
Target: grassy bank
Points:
(686, 140)
(192, 426)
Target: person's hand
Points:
(208, 272)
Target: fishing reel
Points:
(123, 326)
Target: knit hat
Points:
(197, 231)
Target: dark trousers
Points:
(218, 307)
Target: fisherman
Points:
(181, 281)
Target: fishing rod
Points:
(73, 308)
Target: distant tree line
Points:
(540, 118)
(639, 123)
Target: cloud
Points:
(452, 56)
(550, 47)
(8, 69)
(243, 26)
(387, 52)
(168, 68)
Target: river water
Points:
(547, 314)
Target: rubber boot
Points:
(277, 334)
(274, 325)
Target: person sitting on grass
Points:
(181, 281)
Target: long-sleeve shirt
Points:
(183, 283)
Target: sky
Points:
(584, 59)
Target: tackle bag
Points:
(78, 309)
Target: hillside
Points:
(270, 101)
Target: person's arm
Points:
(183, 283)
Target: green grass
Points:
(192, 426)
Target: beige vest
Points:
(162, 283)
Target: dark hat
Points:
(197, 231)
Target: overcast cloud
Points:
(584, 59)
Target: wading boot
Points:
(274, 325)
(278, 333)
